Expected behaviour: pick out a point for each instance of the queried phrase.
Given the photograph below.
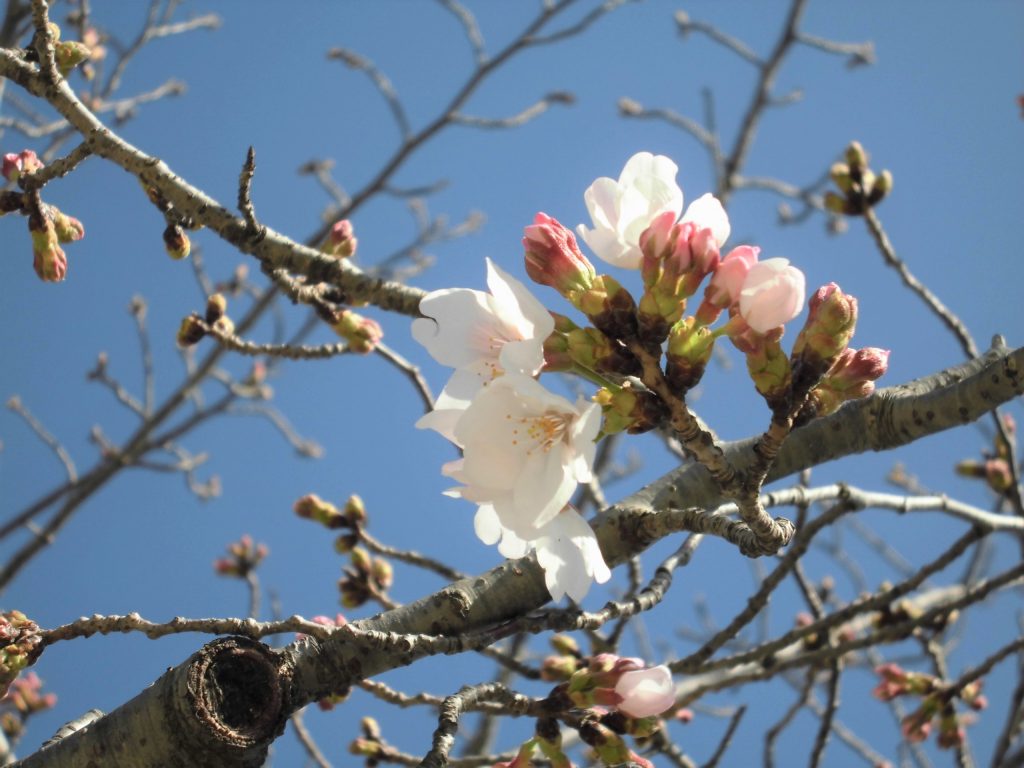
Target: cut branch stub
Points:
(222, 707)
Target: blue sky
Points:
(938, 109)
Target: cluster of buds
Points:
(936, 704)
(364, 578)
(369, 743)
(48, 226)
(994, 468)
(243, 557)
(340, 241)
(19, 641)
(351, 517)
(193, 328)
(677, 256)
(24, 699)
(859, 187)
(548, 739)
(583, 350)
(361, 333)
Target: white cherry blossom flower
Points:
(566, 547)
(480, 335)
(525, 450)
(621, 210)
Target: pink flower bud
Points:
(726, 283)
(361, 333)
(554, 259)
(856, 367)
(646, 692)
(16, 165)
(666, 248)
(772, 294)
(341, 240)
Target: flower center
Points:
(545, 430)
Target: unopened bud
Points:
(341, 241)
(68, 228)
(177, 242)
(840, 175)
(312, 507)
(69, 54)
(382, 573)
(882, 186)
(48, 258)
(565, 644)
(361, 560)
(362, 333)
(831, 321)
(856, 157)
(191, 330)
(353, 592)
(355, 510)
(216, 305)
(558, 668)
(553, 258)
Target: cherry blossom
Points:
(567, 550)
(621, 210)
(772, 294)
(645, 692)
(525, 450)
(480, 335)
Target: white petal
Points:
(512, 546)
(570, 557)
(602, 201)
(486, 525)
(707, 213)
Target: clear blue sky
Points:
(938, 109)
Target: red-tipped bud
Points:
(831, 320)
(341, 240)
(362, 333)
(48, 258)
(68, 228)
(16, 165)
(553, 258)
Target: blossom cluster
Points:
(936, 704)
(525, 449)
